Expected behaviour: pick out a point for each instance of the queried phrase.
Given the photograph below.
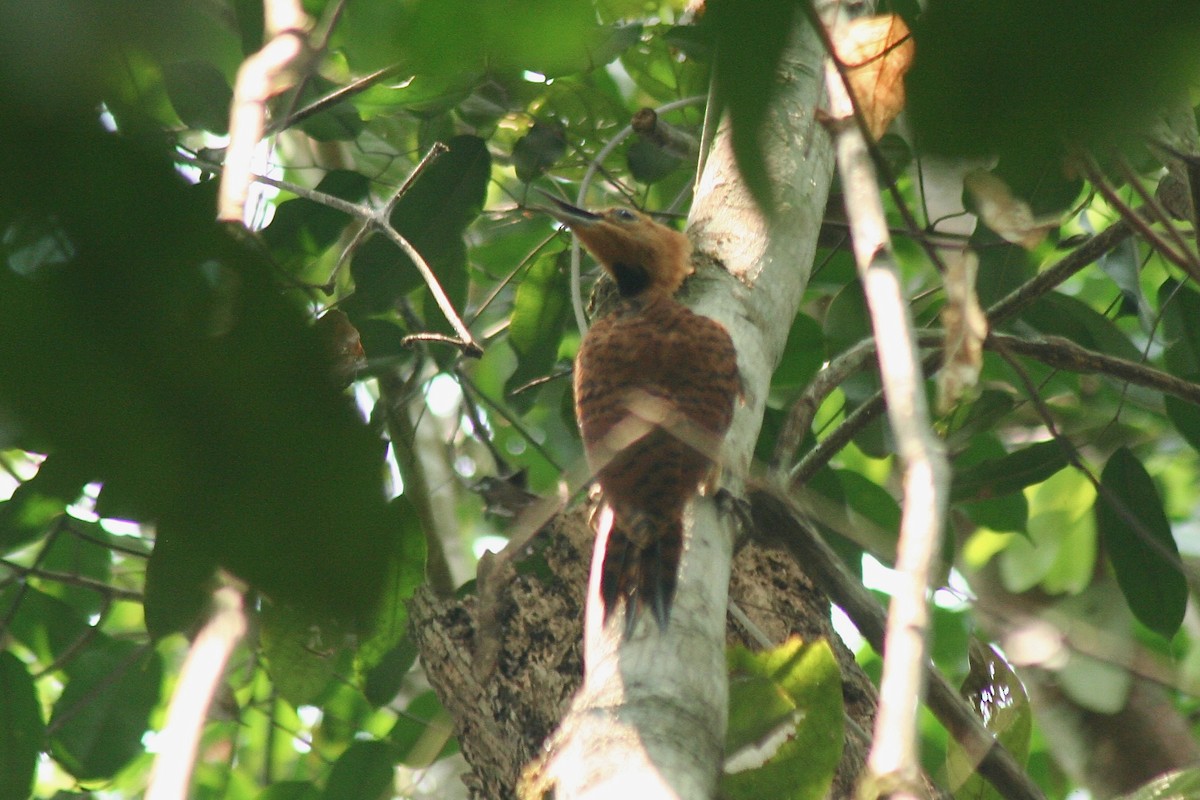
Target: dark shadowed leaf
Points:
(180, 579)
(1022, 77)
(1135, 531)
(539, 315)
(539, 150)
(302, 229)
(200, 95)
(432, 216)
(1180, 306)
(104, 710)
(1008, 474)
(21, 729)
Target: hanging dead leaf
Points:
(877, 51)
(965, 327)
(1010, 217)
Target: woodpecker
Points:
(655, 387)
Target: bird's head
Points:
(643, 256)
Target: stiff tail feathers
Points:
(641, 567)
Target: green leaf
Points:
(792, 743)
(998, 698)
(104, 710)
(1185, 417)
(200, 94)
(1137, 536)
(179, 586)
(803, 355)
(43, 623)
(539, 316)
(1057, 314)
(39, 501)
(405, 572)
(21, 729)
(539, 150)
(1060, 550)
(432, 215)
(1008, 474)
(300, 664)
(80, 550)
(1180, 307)
(364, 772)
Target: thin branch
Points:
(198, 680)
(383, 215)
(1156, 211)
(1065, 354)
(1047, 280)
(800, 415)
(893, 761)
(1075, 460)
(1003, 310)
(71, 579)
(1138, 220)
(330, 100)
(465, 342)
(260, 77)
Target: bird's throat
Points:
(632, 279)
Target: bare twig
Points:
(71, 579)
(1155, 210)
(382, 217)
(1065, 354)
(1183, 260)
(465, 341)
(894, 762)
(800, 415)
(330, 100)
(186, 715)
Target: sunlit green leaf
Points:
(785, 731)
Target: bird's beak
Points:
(566, 213)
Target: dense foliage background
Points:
(161, 369)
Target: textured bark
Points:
(502, 719)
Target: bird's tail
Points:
(641, 566)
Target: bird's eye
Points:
(625, 215)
